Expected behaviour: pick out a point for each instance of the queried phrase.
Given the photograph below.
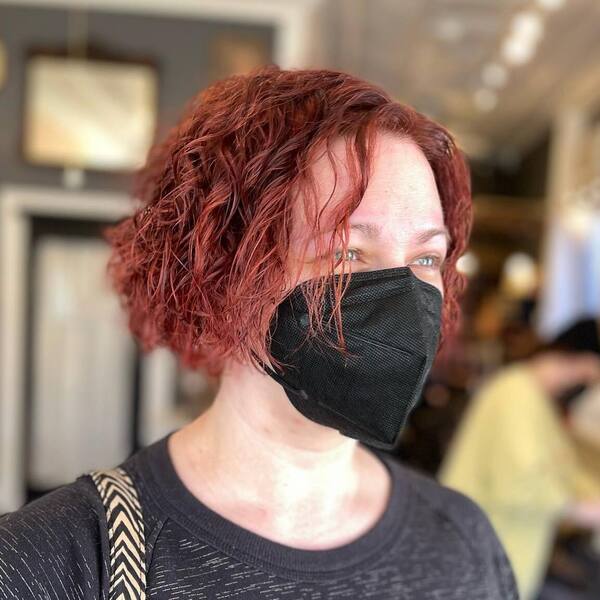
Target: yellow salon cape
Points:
(512, 455)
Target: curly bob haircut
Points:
(202, 264)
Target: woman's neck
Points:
(255, 460)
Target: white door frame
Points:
(18, 204)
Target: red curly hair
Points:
(202, 264)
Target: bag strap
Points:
(125, 533)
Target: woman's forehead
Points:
(400, 190)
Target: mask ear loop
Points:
(279, 379)
(286, 385)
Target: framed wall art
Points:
(88, 114)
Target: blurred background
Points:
(511, 415)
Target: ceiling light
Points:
(551, 4)
(528, 25)
(519, 275)
(494, 75)
(468, 264)
(485, 99)
(517, 51)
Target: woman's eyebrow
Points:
(369, 230)
(427, 234)
(373, 230)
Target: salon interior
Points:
(510, 415)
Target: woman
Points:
(514, 455)
(273, 188)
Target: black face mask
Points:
(391, 322)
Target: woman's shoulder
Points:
(448, 502)
(440, 507)
(450, 505)
(53, 547)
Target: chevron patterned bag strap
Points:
(125, 533)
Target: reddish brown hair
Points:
(201, 266)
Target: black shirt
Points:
(431, 542)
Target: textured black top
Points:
(431, 542)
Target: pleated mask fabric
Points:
(391, 324)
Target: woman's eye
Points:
(351, 255)
(429, 261)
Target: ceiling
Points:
(431, 54)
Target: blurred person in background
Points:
(284, 205)
(513, 454)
